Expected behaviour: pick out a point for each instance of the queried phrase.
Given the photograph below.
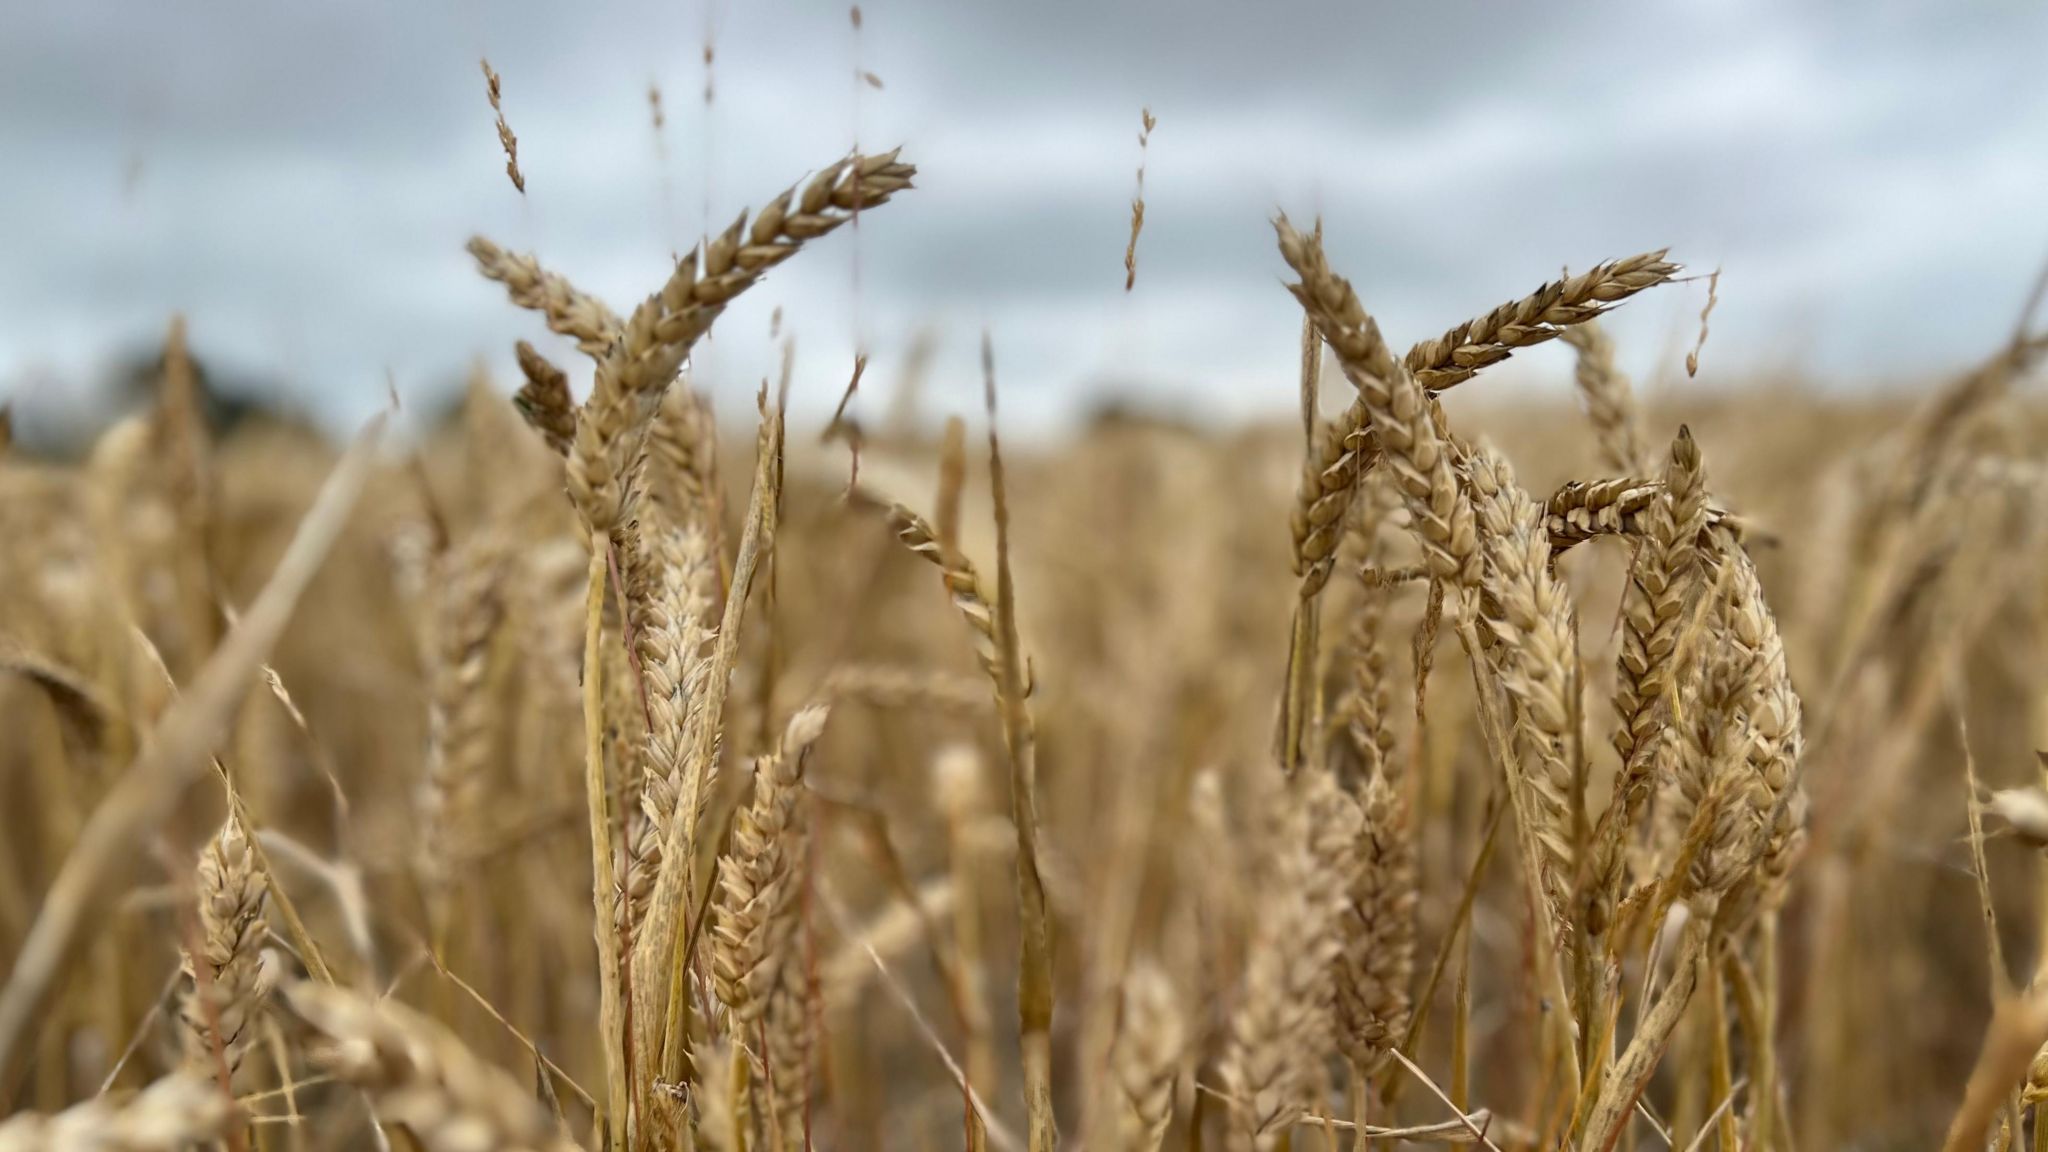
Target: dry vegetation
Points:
(583, 782)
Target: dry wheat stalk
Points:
(638, 367)
(228, 981)
(569, 310)
(1279, 1031)
(419, 1074)
(1146, 1057)
(544, 399)
(182, 1111)
(1610, 402)
(1531, 621)
(1396, 407)
(1460, 353)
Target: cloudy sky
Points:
(299, 179)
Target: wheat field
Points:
(607, 772)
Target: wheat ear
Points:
(544, 399)
(570, 311)
(760, 881)
(179, 1112)
(228, 982)
(1146, 1056)
(1279, 1032)
(1457, 355)
(1661, 582)
(1610, 401)
(656, 339)
(1531, 622)
(1396, 407)
(466, 615)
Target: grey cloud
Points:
(1868, 176)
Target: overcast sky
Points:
(299, 178)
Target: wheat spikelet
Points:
(723, 1118)
(1363, 713)
(1279, 1032)
(228, 981)
(569, 310)
(182, 1111)
(1773, 719)
(544, 399)
(1531, 620)
(682, 461)
(1610, 402)
(657, 338)
(784, 1062)
(1713, 810)
(506, 140)
(1661, 582)
(963, 584)
(1376, 960)
(419, 1074)
(1342, 452)
(1460, 353)
(756, 920)
(1396, 406)
(669, 596)
(1146, 1056)
(465, 619)
(1583, 509)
